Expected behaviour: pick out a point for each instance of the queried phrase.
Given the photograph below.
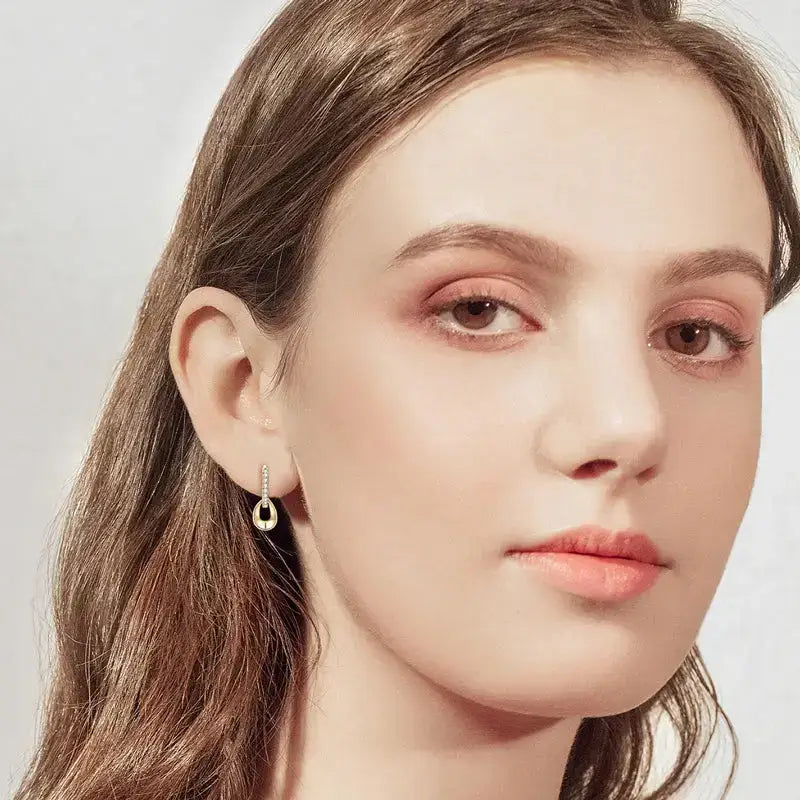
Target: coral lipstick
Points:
(594, 562)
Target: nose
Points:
(609, 420)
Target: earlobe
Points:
(217, 356)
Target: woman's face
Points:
(423, 457)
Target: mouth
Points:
(594, 562)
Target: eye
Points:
(692, 336)
(687, 341)
(478, 313)
(477, 309)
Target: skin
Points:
(449, 669)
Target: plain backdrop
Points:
(104, 105)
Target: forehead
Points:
(612, 161)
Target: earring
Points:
(265, 502)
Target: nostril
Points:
(592, 469)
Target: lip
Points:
(596, 540)
(594, 562)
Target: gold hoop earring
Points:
(265, 502)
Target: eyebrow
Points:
(561, 261)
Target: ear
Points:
(223, 363)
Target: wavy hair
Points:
(180, 632)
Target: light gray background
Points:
(104, 105)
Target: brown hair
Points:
(180, 630)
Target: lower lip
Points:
(594, 577)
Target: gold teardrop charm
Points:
(265, 524)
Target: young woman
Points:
(450, 278)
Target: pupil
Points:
(688, 337)
(477, 306)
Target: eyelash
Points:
(738, 344)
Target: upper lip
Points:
(596, 540)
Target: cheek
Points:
(399, 468)
(708, 482)
(393, 426)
